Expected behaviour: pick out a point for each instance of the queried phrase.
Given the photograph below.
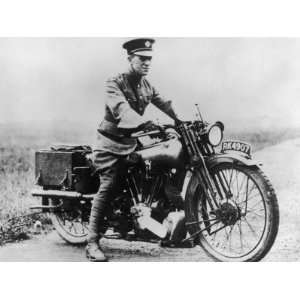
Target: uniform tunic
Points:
(127, 96)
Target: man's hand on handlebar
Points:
(148, 126)
(145, 127)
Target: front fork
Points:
(214, 186)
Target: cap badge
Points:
(147, 44)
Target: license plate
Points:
(236, 146)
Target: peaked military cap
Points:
(141, 47)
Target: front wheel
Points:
(243, 224)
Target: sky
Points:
(249, 82)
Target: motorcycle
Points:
(230, 207)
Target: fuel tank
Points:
(167, 153)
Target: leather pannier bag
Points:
(66, 168)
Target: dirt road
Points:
(281, 164)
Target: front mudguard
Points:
(211, 162)
(232, 158)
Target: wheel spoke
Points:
(217, 230)
(244, 178)
(252, 197)
(241, 239)
(73, 226)
(230, 237)
(252, 188)
(255, 205)
(250, 226)
(237, 184)
(231, 176)
(255, 213)
(257, 209)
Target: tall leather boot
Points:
(105, 192)
(93, 249)
(95, 253)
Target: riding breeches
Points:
(107, 190)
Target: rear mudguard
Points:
(232, 158)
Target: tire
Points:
(67, 234)
(221, 232)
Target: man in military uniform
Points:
(127, 96)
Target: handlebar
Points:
(143, 133)
(160, 130)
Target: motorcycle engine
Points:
(172, 228)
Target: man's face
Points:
(140, 64)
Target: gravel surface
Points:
(281, 164)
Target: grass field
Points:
(18, 146)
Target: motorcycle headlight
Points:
(215, 134)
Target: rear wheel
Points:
(244, 223)
(70, 223)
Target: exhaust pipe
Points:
(60, 194)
